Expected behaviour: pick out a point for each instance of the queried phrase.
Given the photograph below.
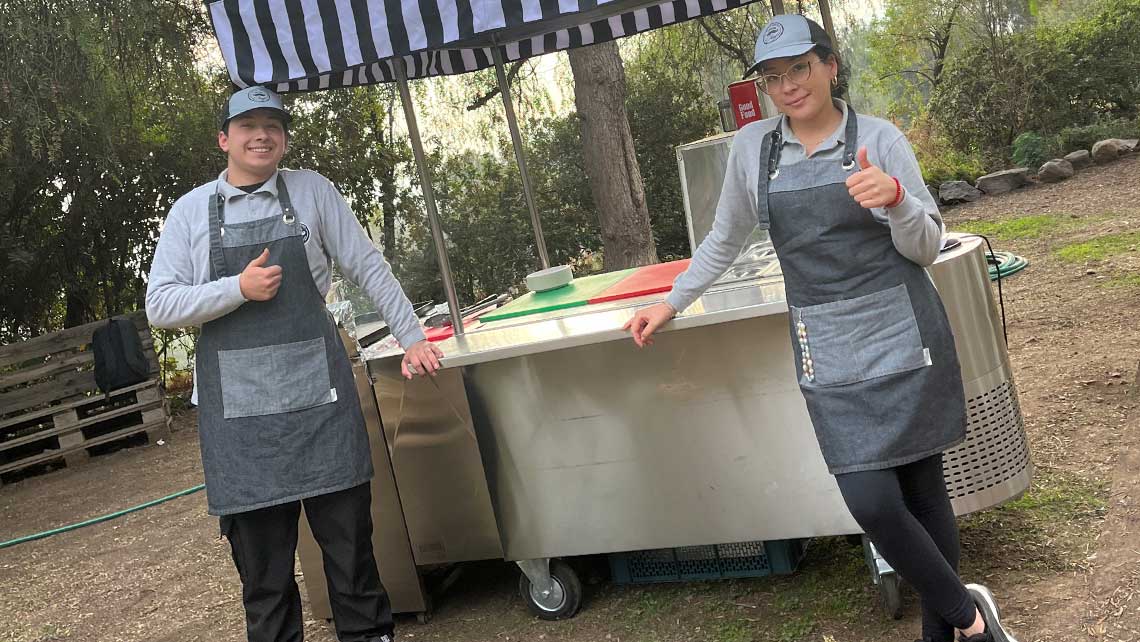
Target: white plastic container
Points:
(549, 279)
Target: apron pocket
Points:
(854, 340)
(274, 379)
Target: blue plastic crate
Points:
(711, 562)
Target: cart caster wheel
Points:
(890, 590)
(854, 540)
(563, 602)
(423, 617)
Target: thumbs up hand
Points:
(260, 283)
(871, 187)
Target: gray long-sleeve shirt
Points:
(915, 224)
(179, 290)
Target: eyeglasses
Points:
(797, 73)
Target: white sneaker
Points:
(991, 615)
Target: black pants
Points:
(264, 544)
(907, 514)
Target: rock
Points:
(1055, 171)
(934, 195)
(1080, 159)
(1108, 150)
(1131, 143)
(1090, 272)
(958, 192)
(1004, 181)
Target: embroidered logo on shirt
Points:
(304, 233)
(773, 33)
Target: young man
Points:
(247, 257)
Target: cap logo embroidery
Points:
(259, 95)
(773, 33)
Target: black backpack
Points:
(119, 358)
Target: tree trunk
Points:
(388, 215)
(388, 185)
(389, 210)
(611, 165)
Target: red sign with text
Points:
(745, 102)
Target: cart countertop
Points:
(750, 289)
(598, 323)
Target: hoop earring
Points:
(835, 81)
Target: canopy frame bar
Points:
(520, 157)
(429, 196)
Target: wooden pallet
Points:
(51, 410)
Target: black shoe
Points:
(984, 636)
(988, 607)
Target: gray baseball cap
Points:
(252, 98)
(787, 36)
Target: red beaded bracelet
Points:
(898, 193)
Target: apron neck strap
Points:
(217, 218)
(287, 211)
(851, 139)
(769, 169)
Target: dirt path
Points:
(1065, 560)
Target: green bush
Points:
(939, 160)
(1106, 54)
(1071, 139)
(1031, 150)
(1042, 80)
(988, 97)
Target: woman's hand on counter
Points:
(422, 358)
(646, 321)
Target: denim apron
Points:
(279, 418)
(874, 351)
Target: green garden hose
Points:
(1007, 263)
(97, 520)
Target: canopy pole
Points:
(778, 7)
(520, 155)
(429, 195)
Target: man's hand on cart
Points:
(646, 321)
(871, 187)
(422, 358)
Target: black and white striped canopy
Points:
(306, 45)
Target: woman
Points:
(853, 225)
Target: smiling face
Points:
(803, 87)
(255, 142)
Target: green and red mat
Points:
(599, 288)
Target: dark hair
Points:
(843, 73)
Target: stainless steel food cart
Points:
(550, 435)
(553, 435)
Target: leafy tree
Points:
(350, 136)
(94, 149)
(668, 105)
(1104, 53)
(1044, 80)
(910, 47)
(490, 243)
